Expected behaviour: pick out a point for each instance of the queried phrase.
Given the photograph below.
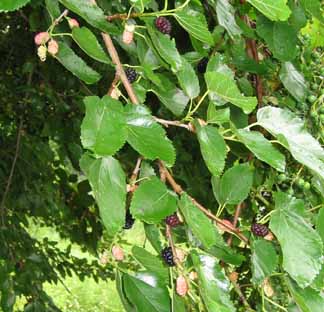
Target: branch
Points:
(236, 217)
(178, 189)
(12, 170)
(113, 85)
(176, 123)
(119, 67)
(136, 169)
(58, 20)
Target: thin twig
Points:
(236, 217)
(58, 20)
(178, 189)
(168, 235)
(119, 67)
(136, 169)
(176, 123)
(12, 170)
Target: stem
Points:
(165, 5)
(198, 105)
(136, 170)
(119, 68)
(176, 123)
(275, 304)
(238, 210)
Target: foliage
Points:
(223, 126)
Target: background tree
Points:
(199, 121)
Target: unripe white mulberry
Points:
(53, 47)
(41, 38)
(128, 34)
(117, 253)
(181, 286)
(73, 23)
(41, 52)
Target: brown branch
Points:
(175, 123)
(122, 16)
(12, 170)
(136, 169)
(236, 217)
(178, 189)
(119, 67)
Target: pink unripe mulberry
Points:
(128, 34)
(73, 23)
(41, 38)
(181, 286)
(53, 47)
(117, 253)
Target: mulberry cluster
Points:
(167, 255)
(163, 25)
(259, 229)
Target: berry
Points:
(259, 229)
(306, 186)
(163, 25)
(167, 255)
(117, 253)
(312, 98)
(42, 38)
(314, 114)
(129, 221)
(128, 34)
(172, 220)
(321, 110)
(314, 86)
(300, 182)
(131, 74)
(73, 23)
(282, 177)
(322, 118)
(53, 47)
(181, 286)
(202, 65)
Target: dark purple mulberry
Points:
(172, 220)
(131, 74)
(167, 255)
(163, 25)
(129, 221)
(259, 229)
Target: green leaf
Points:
(153, 235)
(213, 148)
(108, 183)
(12, 5)
(308, 299)
(152, 201)
(224, 86)
(226, 17)
(171, 96)
(146, 296)
(284, 41)
(293, 81)
(146, 136)
(314, 7)
(235, 184)
(214, 286)
(53, 8)
(262, 148)
(290, 131)
(119, 285)
(225, 253)
(188, 79)
(217, 116)
(275, 10)
(76, 65)
(151, 263)
(92, 14)
(320, 223)
(88, 42)
(301, 245)
(264, 260)
(165, 46)
(103, 129)
(195, 24)
(198, 223)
